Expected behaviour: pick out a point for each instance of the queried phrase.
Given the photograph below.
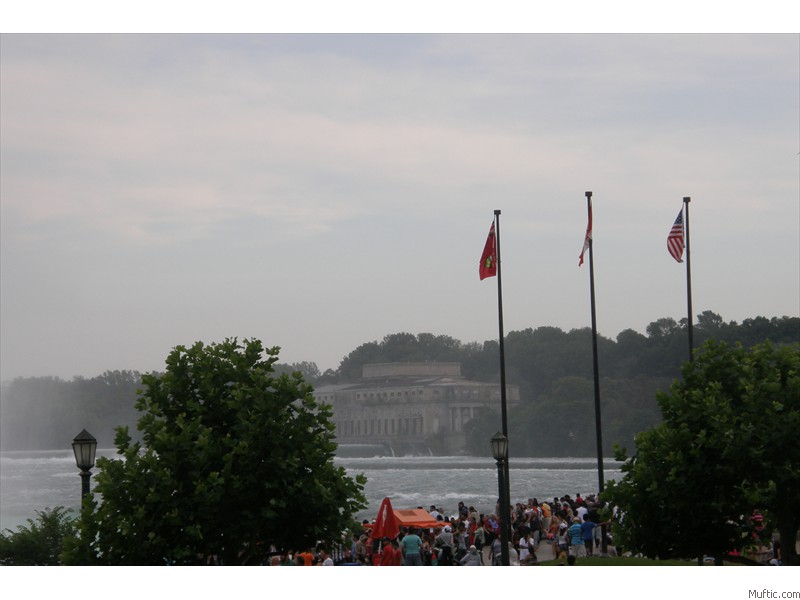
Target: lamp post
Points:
(84, 446)
(500, 453)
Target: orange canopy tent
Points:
(417, 517)
(389, 520)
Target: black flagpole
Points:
(504, 415)
(598, 427)
(686, 201)
(505, 496)
(597, 421)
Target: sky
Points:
(321, 191)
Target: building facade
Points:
(410, 408)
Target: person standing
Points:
(587, 533)
(398, 555)
(480, 537)
(325, 558)
(461, 541)
(575, 537)
(444, 543)
(492, 528)
(561, 542)
(547, 516)
(308, 558)
(361, 549)
(387, 553)
(527, 549)
(411, 547)
(496, 551)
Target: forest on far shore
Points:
(552, 367)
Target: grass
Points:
(599, 561)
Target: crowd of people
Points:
(572, 527)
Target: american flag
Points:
(675, 238)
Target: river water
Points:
(31, 481)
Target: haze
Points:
(322, 191)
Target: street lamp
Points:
(84, 446)
(500, 453)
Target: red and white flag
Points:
(588, 239)
(675, 238)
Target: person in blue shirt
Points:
(587, 533)
(575, 538)
(411, 547)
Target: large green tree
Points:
(234, 459)
(728, 445)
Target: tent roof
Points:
(417, 517)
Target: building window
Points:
(465, 415)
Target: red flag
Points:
(675, 238)
(588, 239)
(488, 266)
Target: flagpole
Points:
(686, 201)
(597, 420)
(504, 414)
(505, 496)
(598, 427)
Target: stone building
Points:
(410, 408)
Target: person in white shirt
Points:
(326, 561)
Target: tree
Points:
(309, 370)
(234, 459)
(727, 446)
(40, 543)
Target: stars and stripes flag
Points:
(675, 239)
(488, 266)
(588, 239)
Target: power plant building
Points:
(410, 408)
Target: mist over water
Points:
(31, 481)
(445, 481)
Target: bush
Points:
(39, 543)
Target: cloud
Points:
(198, 186)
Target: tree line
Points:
(554, 372)
(552, 367)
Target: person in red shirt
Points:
(387, 551)
(398, 554)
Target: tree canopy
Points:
(727, 446)
(234, 460)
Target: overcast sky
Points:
(322, 191)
